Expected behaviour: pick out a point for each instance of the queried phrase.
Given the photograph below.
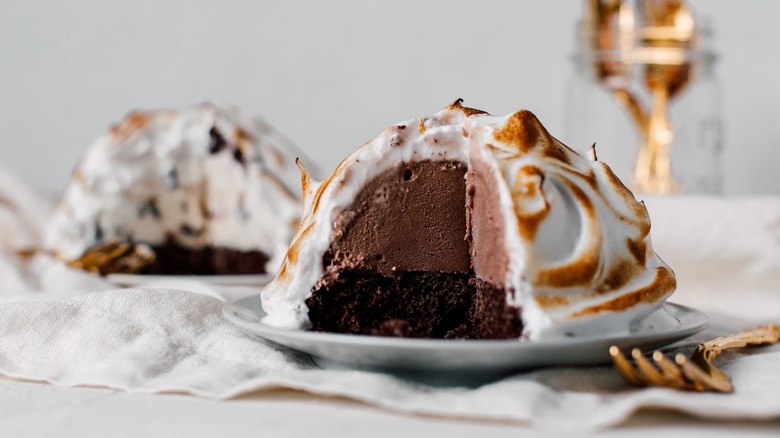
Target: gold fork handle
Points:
(765, 334)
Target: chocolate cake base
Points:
(414, 304)
(174, 259)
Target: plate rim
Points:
(224, 280)
(232, 311)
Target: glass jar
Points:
(644, 90)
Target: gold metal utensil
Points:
(653, 35)
(115, 257)
(695, 373)
(112, 257)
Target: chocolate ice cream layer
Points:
(489, 257)
(409, 218)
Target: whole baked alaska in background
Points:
(466, 225)
(208, 190)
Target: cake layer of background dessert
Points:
(330, 75)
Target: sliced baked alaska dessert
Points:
(209, 190)
(466, 225)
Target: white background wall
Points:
(332, 74)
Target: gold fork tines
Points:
(695, 373)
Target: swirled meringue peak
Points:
(467, 225)
(202, 177)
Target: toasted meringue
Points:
(203, 176)
(564, 239)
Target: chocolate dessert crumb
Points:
(217, 141)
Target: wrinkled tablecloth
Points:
(67, 327)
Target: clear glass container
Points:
(645, 92)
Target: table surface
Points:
(34, 409)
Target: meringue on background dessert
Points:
(466, 225)
(208, 189)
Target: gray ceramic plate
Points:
(131, 280)
(408, 356)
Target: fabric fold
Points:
(165, 340)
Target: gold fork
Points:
(115, 257)
(112, 257)
(695, 373)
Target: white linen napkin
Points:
(157, 340)
(23, 212)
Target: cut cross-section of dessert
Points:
(209, 190)
(466, 225)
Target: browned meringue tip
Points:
(457, 105)
(305, 180)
